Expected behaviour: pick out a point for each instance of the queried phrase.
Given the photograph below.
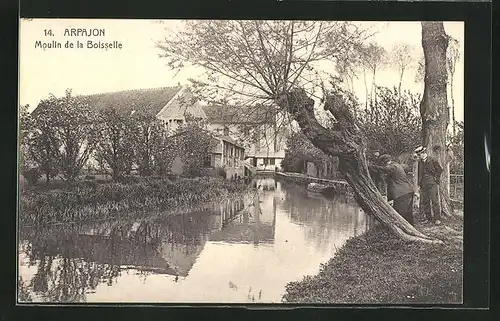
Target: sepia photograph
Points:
(240, 162)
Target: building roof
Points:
(181, 105)
(230, 140)
(225, 114)
(150, 101)
(176, 103)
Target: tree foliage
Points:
(193, 143)
(38, 137)
(164, 152)
(457, 147)
(28, 166)
(300, 150)
(393, 124)
(452, 56)
(146, 134)
(115, 152)
(75, 127)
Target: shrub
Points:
(88, 200)
(32, 175)
(220, 172)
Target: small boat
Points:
(320, 189)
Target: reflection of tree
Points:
(67, 279)
(23, 292)
(39, 281)
(61, 276)
(73, 260)
(323, 218)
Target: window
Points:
(226, 130)
(207, 162)
(266, 161)
(271, 161)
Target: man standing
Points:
(377, 177)
(429, 178)
(399, 187)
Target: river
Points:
(242, 250)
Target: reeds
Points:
(87, 201)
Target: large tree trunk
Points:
(434, 108)
(416, 199)
(345, 141)
(454, 131)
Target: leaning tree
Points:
(281, 63)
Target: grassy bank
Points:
(89, 200)
(378, 268)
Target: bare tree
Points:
(452, 56)
(402, 57)
(276, 62)
(420, 72)
(374, 58)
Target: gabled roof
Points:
(149, 101)
(182, 104)
(176, 103)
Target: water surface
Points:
(242, 250)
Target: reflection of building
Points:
(246, 223)
(170, 246)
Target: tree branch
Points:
(301, 108)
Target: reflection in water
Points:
(239, 250)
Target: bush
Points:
(32, 175)
(220, 172)
(89, 200)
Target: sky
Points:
(138, 65)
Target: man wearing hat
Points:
(429, 178)
(399, 187)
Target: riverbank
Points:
(340, 185)
(90, 200)
(379, 268)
